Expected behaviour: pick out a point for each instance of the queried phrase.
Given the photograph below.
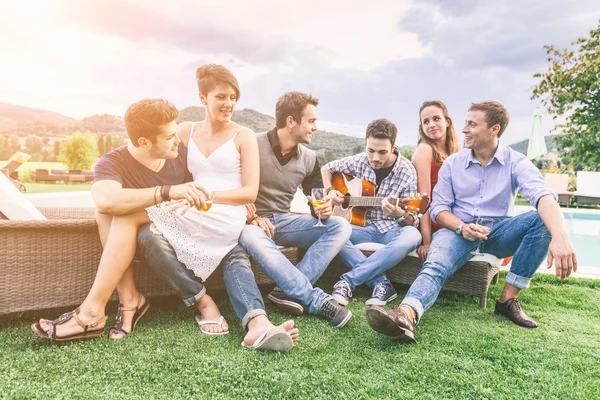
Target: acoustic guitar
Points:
(359, 196)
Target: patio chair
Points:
(42, 175)
(588, 188)
(15, 161)
(560, 184)
(52, 263)
(77, 175)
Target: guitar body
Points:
(359, 196)
(349, 186)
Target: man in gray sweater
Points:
(284, 166)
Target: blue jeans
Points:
(237, 274)
(525, 236)
(398, 241)
(322, 245)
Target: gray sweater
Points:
(278, 184)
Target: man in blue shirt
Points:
(481, 181)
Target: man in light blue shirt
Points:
(482, 181)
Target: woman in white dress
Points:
(223, 159)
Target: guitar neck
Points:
(367, 201)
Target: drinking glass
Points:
(207, 205)
(487, 224)
(318, 199)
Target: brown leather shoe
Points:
(394, 323)
(512, 309)
(285, 303)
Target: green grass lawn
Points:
(462, 352)
(58, 187)
(33, 165)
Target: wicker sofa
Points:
(48, 264)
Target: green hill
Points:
(322, 141)
(23, 121)
(26, 114)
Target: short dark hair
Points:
(143, 119)
(209, 76)
(292, 104)
(382, 129)
(495, 113)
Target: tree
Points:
(358, 149)
(407, 153)
(117, 141)
(108, 146)
(101, 147)
(570, 88)
(33, 144)
(325, 156)
(57, 148)
(79, 151)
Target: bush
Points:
(27, 175)
(79, 151)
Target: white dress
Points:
(201, 240)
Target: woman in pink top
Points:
(437, 140)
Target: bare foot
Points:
(258, 325)
(137, 301)
(210, 312)
(71, 327)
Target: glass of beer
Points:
(318, 199)
(207, 205)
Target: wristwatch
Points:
(458, 230)
(402, 218)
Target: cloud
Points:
(141, 24)
(473, 35)
(364, 61)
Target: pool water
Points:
(583, 227)
(584, 232)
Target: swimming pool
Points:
(583, 227)
(584, 232)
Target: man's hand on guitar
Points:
(392, 210)
(337, 198)
(326, 209)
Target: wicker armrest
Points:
(50, 224)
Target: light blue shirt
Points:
(468, 190)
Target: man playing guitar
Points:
(389, 224)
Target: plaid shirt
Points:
(401, 182)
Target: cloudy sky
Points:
(363, 59)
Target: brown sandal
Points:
(86, 334)
(139, 313)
